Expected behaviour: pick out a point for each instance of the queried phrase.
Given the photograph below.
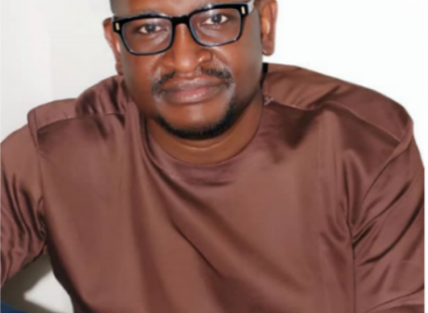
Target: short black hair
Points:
(112, 3)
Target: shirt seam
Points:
(384, 165)
(359, 117)
(319, 177)
(340, 105)
(68, 118)
(40, 205)
(32, 120)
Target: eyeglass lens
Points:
(212, 27)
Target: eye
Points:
(216, 19)
(150, 29)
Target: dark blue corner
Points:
(8, 309)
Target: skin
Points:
(236, 101)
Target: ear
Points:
(114, 43)
(268, 16)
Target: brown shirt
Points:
(322, 211)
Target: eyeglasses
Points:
(210, 26)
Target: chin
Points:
(195, 124)
(199, 124)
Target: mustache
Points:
(222, 74)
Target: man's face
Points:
(195, 92)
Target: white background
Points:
(55, 49)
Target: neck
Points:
(214, 150)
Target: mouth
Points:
(191, 92)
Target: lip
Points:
(191, 91)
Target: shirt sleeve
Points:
(22, 230)
(388, 235)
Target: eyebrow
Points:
(201, 4)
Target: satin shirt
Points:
(321, 212)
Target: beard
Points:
(207, 131)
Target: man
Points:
(201, 180)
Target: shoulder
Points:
(365, 140)
(103, 99)
(311, 91)
(17, 146)
(19, 163)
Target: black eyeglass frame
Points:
(244, 8)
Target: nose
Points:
(185, 54)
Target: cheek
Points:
(138, 72)
(245, 59)
(251, 51)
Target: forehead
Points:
(169, 7)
